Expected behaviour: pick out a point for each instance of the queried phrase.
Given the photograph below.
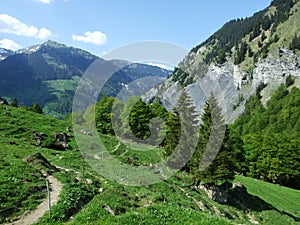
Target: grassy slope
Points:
(283, 199)
(174, 201)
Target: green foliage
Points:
(206, 168)
(173, 201)
(73, 197)
(270, 137)
(221, 58)
(232, 33)
(180, 76)
(289, 81)
(187, 131)
(250, 52)
(263, 37)
(295, 44)
(103, 114)
(15, 103)
(240, 54)
(139, 119)
(36, 108)
(22, 186)
(173, 132)
(259, 88)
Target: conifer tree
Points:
(173, 132)
(15, 103)
(212, 161)
(183, 148)
(36, 108)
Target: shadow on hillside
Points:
(239, 198)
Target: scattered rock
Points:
(217, 193)
(61, 137)
(39, 136)
(89, 181)
(238, 185)
(108, 209)
(151, 166)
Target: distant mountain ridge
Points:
(49, 73)
(5, 53)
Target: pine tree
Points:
(212, 161)
(183, 147)
(15, 103)
(289, 81)
(295, 44)
(263, 37)
(36, 108)
(173, 132)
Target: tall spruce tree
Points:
(212, 161)
(182, 136)
(173, 132)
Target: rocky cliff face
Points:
(231, 84)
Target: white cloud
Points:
(45, 1)
(9, 44)
(12, 25)
(43, 33)
(96, 37)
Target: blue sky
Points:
(99, 26)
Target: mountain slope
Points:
(48, 74)
(87, 197)
(237, 58)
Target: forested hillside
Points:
(270, 136)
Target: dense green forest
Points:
(270, 136)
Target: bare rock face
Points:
(230, 84)
(217, 193)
